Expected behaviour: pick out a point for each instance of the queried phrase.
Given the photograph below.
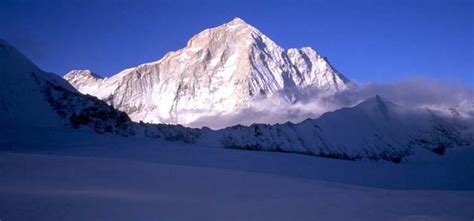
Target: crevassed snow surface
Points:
(84, 176)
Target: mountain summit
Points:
(220, 71)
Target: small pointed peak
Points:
(380, 99)
(310, 50)
(375, 105)
(83, 73)
(238, 20)
(233, 26)
(377, 99)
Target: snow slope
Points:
(30, 97)
(102, 189)
(104, 177)
(374, 129)
(21, 86)
(220, 71)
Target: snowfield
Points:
(84, 176)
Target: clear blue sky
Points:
(378, 41)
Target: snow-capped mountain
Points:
(220, 71)
(32, 98)
(375, 129)
(22, 99)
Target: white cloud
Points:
(411, 93)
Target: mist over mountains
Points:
(234, 74)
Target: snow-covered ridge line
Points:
(375, 129)
(220, 71)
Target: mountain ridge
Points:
(374, 129)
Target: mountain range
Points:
(375, 129)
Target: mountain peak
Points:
(238, 24)
(237, 20)
(82, 73)
(377, 104)
(376, 100)
(380, 100)
(236, 30)
(11, 59)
